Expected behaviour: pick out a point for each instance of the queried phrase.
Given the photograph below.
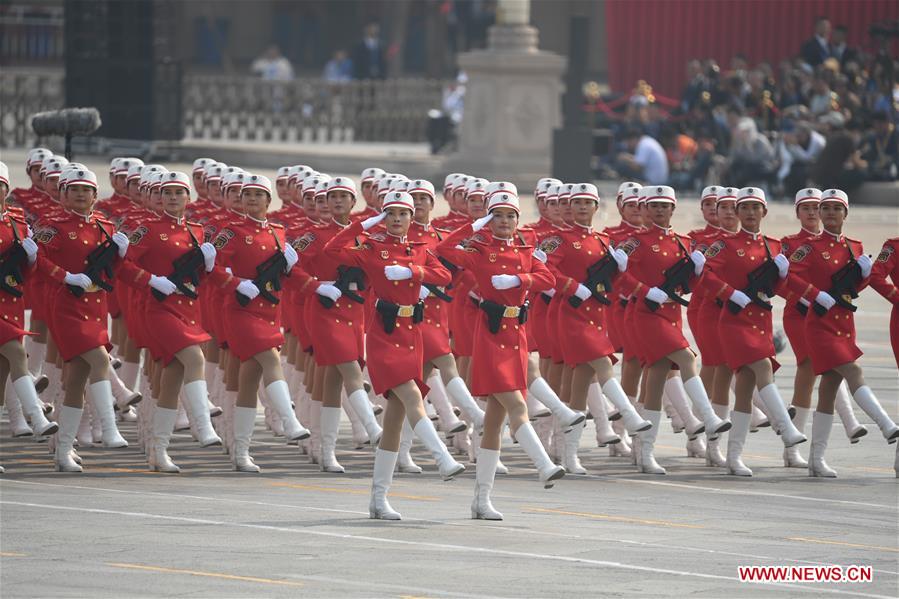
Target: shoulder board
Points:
(853, 240)
(885, 252)
(416, 243)
(276, 225)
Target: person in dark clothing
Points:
(880, 149)
(817, 49)
(839, 165)
(839, 47)
(369, 60)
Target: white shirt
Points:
(651, 156)
(791, 153)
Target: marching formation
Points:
(182, 313)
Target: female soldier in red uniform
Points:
(585, 344)
(174, 320)
(396, 269)
(335, 324)
(884, 280)
(830, 327)
(749, 350)
(77, 310)
(252, 326)
(13, 362)
(657, 320)
(505, 274)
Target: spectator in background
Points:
(799, 148)
(817, 49)
(880, 149)
(752, 160)
(443, 123)
(272, 66)
(821, 100)
(644, 159)
(839, 47)
(840, 164)
(339, 69)
(369, 61)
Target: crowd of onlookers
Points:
(826, 117)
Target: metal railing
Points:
(230, 108)
(34, 39)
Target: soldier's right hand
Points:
(582, 292)
(373, 221)
(740, 298)
(78, 280)
(329, 291)
(209, 253)
(30, 248)
(248, 288)
(481, 222)
(825, 299)
(162, 284)
(654, 294)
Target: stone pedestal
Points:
(512, 105)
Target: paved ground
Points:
(119, 531)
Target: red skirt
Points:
(12, 318)
(336, 333)
(173, 325)
(614, 322)
(251, 329)
(794, 327)
(747, 336)
(78, 324)
(464, 311)
(658, 333)
(583, 337)
(894, 332)
(831, 339)
(706, 332)
(552, 331)
(300, 330)
(435, 328)
(537, 324)
(499, 362)
(630, 348)
(394, 358)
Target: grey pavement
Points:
(120, 531)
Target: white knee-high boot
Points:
(244, 422)
(330, 425)
(770, 396)
(449, 422)
(100, 394)
(279, 397)
(821, 426)
(461, 396)
(540, 389)
(843, 407)
(446, 464)
(792, 457)
(598, 408)
(677, 395)
(69, 420)
(195, 397)
(485, 473)
(405, 463)
(530, 443)
(713, 455)
(633, 422)
(378, 507)
(867, 401)
(31, 405)
(163, 426)
(17, 422)
(696, 391)
(362, 406)
(735, 441)
(647, 460)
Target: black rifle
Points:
(495, 313)
(268, 276)
(347, 275)
(186, 272)
(99, 264)
(437, 292)
(677, 279)
(599, 280)
(801, 308)
(761, 280)
(843, 286)
(11, 262)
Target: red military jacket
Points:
(67, 240)
(242, 245)
(13, 229)
(731, 258)
(886, 269)
(155, 245)
(651, 251)
(788, 244)
(570, 252)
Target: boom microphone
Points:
(66, 123)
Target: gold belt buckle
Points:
(406, 311)
(92, 288)
(511, 312)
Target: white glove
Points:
(481, 222)
(582, 292)
(248, 288)
(698, 262)
(825, 299)
(228, 270)
(330, 291)
(551, 292)
(162, 285)
(804, 302)
(783, 265)
(208, 255)
(540, 255)
(78, 280)
(30, 248)
(657, 295)
(395, 272)
(423, 293)
(740, 298)
(864, 262)
(505, 281)
(121, 240)
(373, 221)
(291, 256)
(620, 256)
(30, 232)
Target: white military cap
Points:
(81, 176)
(543, 186)
(630, 193)
(4, 173)
(310, 182)
(214, 171)
(495, 186)
(398, 199)
(156, 179)
(384, 183)
(726, 194)
(835, 195)
(146, 173)
(114, 164)
(584, 190)
(503, 199)
(233, 178)
(283, 172)
(552, 192)
(321, 188)
(37, 156)
(177, 179)
(134, 171)
(565, 192)
(450, 180)
(126, 163)
(342, 184)
(751, 194)
(658, 193)
(710, 192)
(53, 165)
(476, 187)
(422, 186)
(460, 182)
(808, 194)
(252, 181)
(371, 173)
(200, 163)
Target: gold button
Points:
(516, 251)
(505, 327)
(263, 247)
(84, 241)
(271, 322)
(516, 347)
(664, 253)
(591, 323)
(501, 346)
(411, 348)
(85, 317)
(589, 253)
(436, 325)
(337, 320)
(396, 282)
(397, 344)
(193, 322)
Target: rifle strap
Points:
(192, 236)
(15, 231)
(681, 244)
(767, 247)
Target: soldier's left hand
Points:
(620, 256)
(30, 248)
(698, 259)
(121, 240)
(864, 262)
(505, 281)
(423, 293)
(208, 255)
(291, 256)
(395, 272)
(783, 265)
(373, 221)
